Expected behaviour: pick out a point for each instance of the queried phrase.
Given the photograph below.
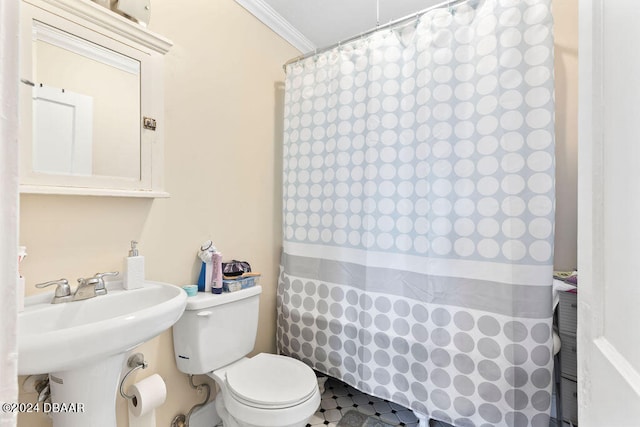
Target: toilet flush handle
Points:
(204, 314)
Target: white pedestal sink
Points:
(82, 345)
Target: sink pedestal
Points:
(87, 396)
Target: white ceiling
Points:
(313, 24)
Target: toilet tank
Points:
(216, 330)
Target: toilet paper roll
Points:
(147, 394)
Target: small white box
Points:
(137, 9)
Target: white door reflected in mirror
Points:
(62, 131)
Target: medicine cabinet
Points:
(91, 102)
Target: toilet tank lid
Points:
(208, 300)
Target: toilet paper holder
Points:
(135, 362)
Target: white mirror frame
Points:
(99, 25)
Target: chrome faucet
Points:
(92, 287)
(87, 288)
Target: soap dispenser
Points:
(134, 268)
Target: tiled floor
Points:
(338, 398)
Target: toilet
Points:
(214, 336)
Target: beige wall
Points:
(223, 106)
(223, 123)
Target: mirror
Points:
(86, 107)
(92, 102)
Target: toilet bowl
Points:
(266, 391)
(214, 336)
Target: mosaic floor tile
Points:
(339, 399)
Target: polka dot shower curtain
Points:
(419, 213)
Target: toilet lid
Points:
(271, 381)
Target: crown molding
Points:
(272, 19)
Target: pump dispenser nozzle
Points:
(134, 248)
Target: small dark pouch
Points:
(235, 268)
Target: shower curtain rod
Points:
(389, 24)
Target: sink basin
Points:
(59, 337)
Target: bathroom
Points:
(224, 100)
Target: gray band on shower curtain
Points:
(493, 297)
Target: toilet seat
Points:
(269, 381)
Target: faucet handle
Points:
(62, 290)
(100, 287)
(108, 274)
